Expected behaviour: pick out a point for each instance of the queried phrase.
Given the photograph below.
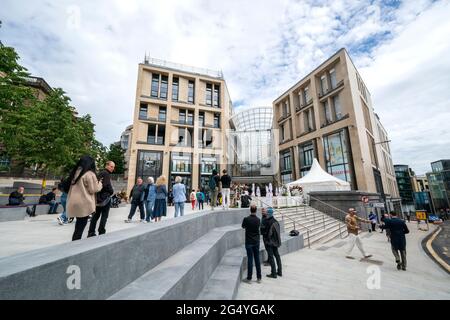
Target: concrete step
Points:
(224, 282)
(184, 274)
(331, 232)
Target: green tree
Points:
(117, 155)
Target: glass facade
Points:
(155, 85)
(208, 163)
(307, 153)
(181, 165)
(337, 156)
(149, 164)
(286, 167)
(175, 87)
(191, 89)
(405, 187)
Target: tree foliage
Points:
(117, 155)
(45, 133)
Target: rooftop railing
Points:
(183, 67)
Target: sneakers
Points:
(70, 220)
(273, 276)
(142, 220)
(258, 280)
(60, 221)
(127, 220)
(367, 256)
(247, 281)
(403, 268)
(399, 266)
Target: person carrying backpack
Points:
(200, 199)
(270, 230)
(214, 188)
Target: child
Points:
(192, 197)
(200, 199)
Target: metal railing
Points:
(183, 67)
(282, 219)
(325, 208)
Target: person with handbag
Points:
(103, 200)
(81, 196)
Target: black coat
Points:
(107, 189)
(398, 230)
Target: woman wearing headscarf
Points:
(81, 197)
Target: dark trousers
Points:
(273, 252)
(79, 228)
(102, 213)
(200, 203)
(133, 210)
(253, 253)
(373, 226)
(401, 256)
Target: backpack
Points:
(212, 183)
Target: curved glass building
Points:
(252, 146)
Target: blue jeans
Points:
(53, 205)
(149, 209)
(179, 209)
(253, 253)
(63, 215)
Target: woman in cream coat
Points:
(81, 200)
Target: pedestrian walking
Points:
(252, 225)
(373, 221)
(63, 187)
(193, 197)
(214, 188)
(179, 197)
(351, 220)
(398, 230)
(161, 196)
(200, 199)
(271, 232)
(225, 181)
(103, 201)
(150, 198)
(81, 199)
(136, 198)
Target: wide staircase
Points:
(317, 226)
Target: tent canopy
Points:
(318, 179)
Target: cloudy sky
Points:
(92, 49)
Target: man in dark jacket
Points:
(16, 198)
(398, 229)
(270, 231)
(50, 199)
(225, 180)
(103, 200)
(252, 224)
(137, 200)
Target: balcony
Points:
(283, 117)
(155, 140)
(329, 91)
(303, 105)
(329, 123)
(182, 122)
(152, 119)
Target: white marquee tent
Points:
(318, 179)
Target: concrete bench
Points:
(17, 213)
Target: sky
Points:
(92, 49)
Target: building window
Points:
(337, 157)
(307, 154)
(208, 94)
(282, 133)
(201, 119)
(216, 96)
(164, 86)
(182, 116)
(286, 167)
(308, 119)
(337, 107)
(185, 137)
(323, 84)
(151, 134)
(285, 109)
(162, 114)
(149, 164)
(143, 111)
(191, 89)
(327, 112)
(333, 78)
(205, 138)
(161, 134)
(155, 85)
(216, 120)
(175, 86)
(306, 96)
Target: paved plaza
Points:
(323, 272)
(44, 231)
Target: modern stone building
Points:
(181, 117)
(328, 115)
(125, 144)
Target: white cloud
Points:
(263, 47)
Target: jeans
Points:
(226, 197)
(179, 209)
(53, 206)
(214, 194)
(149, 209)
(271, 252)
(399, 258)
(134, 206)
(102, 212)
(253, 253)
(63, 215)
(352, 240)
(79, 227)
(200, 203)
